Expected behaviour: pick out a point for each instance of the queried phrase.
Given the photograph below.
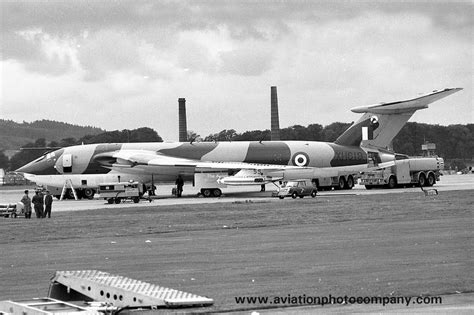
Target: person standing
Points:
(38, 204)
(179, 186)
(26, 201)
(48, 203)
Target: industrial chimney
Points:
(183, 130)
(275, 121)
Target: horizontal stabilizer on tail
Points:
(407, 106)
(384, 121)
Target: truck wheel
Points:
(349, 183)
(422, 180)
(369, 187)
(136, 199)
(110, 201)
(206, 192)
(294, 195)
(313, 194)
(117, 200)
(281, 197)
(392, 182)
(341, 183)
(88, 193)
(431, 180)
(216, 192)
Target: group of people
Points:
(41, 203)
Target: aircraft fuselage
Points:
(82, 165)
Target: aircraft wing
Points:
(140, 162)
(128, 159)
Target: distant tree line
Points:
(48, 129)
(14, 135)
(313, 132)
(452, 142)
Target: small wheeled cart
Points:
(11, 210)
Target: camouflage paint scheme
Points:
(138, 161)
(319, 154)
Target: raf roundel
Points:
(300, 159)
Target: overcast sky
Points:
(124, 64)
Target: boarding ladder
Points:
(63, 192)
(119, 291)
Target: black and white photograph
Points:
(236, 156)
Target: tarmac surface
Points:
(386, 243)
(230, 194)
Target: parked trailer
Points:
(11, 210)
(116, 192)
(407, 171)
(343, 181)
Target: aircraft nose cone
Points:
(36, 167)
(23, 169)
(43, 165)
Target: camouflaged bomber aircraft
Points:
(212, 166)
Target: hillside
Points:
(14, 135)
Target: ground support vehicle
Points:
(116, 192)
(298, 188)
(423, 171)
(11, 210)
(210, 183)
(343, 181)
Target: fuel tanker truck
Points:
(407, 171)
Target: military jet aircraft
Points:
(211, 165)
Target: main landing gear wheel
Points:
(70, 194)
(88, 193)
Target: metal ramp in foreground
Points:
(94, 285)
(43, 306)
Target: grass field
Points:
(397, 244)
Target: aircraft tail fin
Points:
(384, 121)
